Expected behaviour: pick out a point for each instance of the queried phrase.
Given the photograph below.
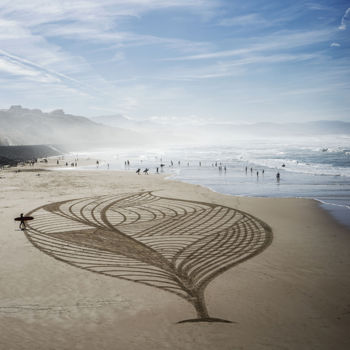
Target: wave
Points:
(293, 165)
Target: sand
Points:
(293, 293)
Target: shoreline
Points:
(339, 219)
(339, 212)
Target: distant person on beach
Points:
(157, 169)
(138, 171)
(246, 169)
(257, 174)
(278, 176)
(146, 171)
(263, 171)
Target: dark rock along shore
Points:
(11, 155)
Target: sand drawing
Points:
(178, 246)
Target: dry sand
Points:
(293, 295)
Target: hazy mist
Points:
(23, 126)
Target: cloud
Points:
(103, 11)
(14, 68)
(318, 7)
(94, 34)
(335, 45)
(279, 41)
(234, 67)
(24, 65)
(246, 20)
(344, 20)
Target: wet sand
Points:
(293, 294)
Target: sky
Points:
(178, 61)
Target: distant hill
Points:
(23, 126)
(118, 120)
(213, 133)
(314, 128)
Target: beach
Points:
(292, 294)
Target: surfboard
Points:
(24, 218)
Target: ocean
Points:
(317, 168)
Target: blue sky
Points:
(178, 60)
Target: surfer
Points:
(22, 224)
(22, 220)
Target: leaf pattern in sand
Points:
(175, 245)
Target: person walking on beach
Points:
(278, 176)
(138, 171)
(146, 171)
